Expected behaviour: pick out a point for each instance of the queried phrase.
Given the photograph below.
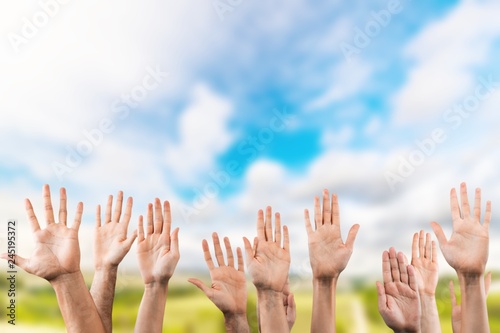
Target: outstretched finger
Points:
(158, 217)
(63, 211)
(335, 210)
(167, 217)
(219, 255)
(487, 215)
(396, 276)
(428, 247)
(261, 234)
(229, 252)
(402, 268)
(434, 252)
(17, 259)
(98, 217)
(382, 297)
(241, 265)
(78, 216)
(249, 252)
(128, 212)
(327, 208)
(438, 231)
(412, 278)
(207, 255)
(415, 246)
(118, 207)
(465, 200)
(318, 217)
(351, 236)
(35, 226)
(49, 212)
(174, 242)
(109, 207)
(455, 207)
(277, 228)
(307, 221)
(149, 221)
(269, 224)
(140, 229)
(477, 205)
(421, 244)
(386, 268)
(286, 239)
(206, 290)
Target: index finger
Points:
(260, 226)
(49, 212)
(386, 267)
(63, 212)
(35, 226)
(207, 255)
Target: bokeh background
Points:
(223, 107)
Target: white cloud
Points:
(203, 133)
(445, 53)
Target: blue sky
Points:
(260, 107)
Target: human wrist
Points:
(67, 279)
(236, 323)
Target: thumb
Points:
(16, 260)
(351, 236)
(200, 285)
(438, 231)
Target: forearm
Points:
(430, 317)
(236, 323)
(103, 293)
(271, 311)
(77, 307)
(152, 309)
(474, 310)
(323, 313)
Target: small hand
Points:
(328, 254)
(57, 250)
(157, 249)
(228, 291)
(268, 261)
(424, 259)
(111, 242)
(467, 249)
(398, 299)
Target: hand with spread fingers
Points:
(111, 244)
(329, 256)
(424, 260)
(268, 262)
(467, 252)
(56, 258)
(157, 254)
(398, 298)
(228, 291)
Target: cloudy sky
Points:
(226, 107)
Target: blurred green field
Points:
(188, 310)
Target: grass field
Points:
(188, 310)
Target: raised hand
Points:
(424, 260)
(56, 258)
(57, 251)
(467, 249)
(111, 244)
(228, 290)
(328, 254)
(111, 241)
(398, 299)
(157, 249)
(158, 254)
(268, 261)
